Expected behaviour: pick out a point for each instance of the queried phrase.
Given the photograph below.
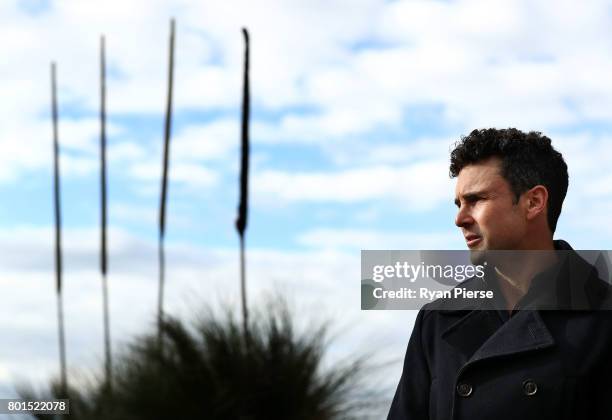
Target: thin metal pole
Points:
(245, 312)
(58, 233)
(241, 221)
(103, 244)
(162, 213)
(160, 297)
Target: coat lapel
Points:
(481, 334)
(469, 333)
(525, 331)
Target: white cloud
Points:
(147, 216)
(373, 239)
(83, 134)
(187, 173)
(419, 186)
(212, 141)
(599, 186)
(521, 65)
(76, 166)
(123, 212)
(194, 174)
(124, 151)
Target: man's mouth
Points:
(472, 240)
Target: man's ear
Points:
(536, 200)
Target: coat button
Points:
(530, 387)
(464, 389)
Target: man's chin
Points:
(478, 255)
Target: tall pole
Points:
(103, 243)
(58, 234)
(241, 221)
(164, 186)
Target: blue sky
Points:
(355, 105)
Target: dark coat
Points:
(472, 363)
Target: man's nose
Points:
(463, 217)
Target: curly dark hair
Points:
(528, 159)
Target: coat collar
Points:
(525, 331)
(481, 334)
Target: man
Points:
(516, 359)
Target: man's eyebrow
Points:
(470, 196)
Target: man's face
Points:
(487, 215)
